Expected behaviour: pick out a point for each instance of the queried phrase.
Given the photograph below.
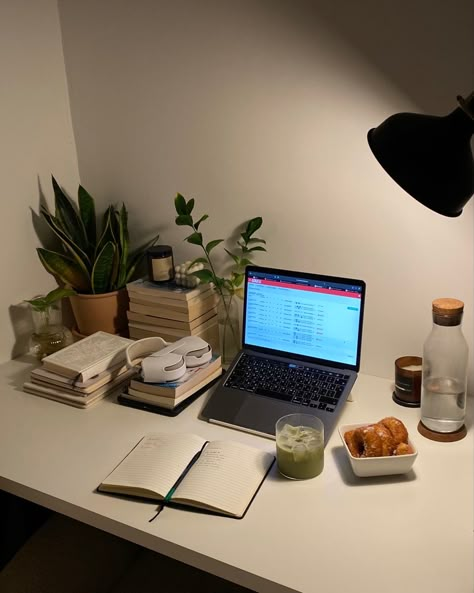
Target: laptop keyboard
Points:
(294, 383)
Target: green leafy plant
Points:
(42, 304)
(247, 245)
(226, 286)
(96, 258)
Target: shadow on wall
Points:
(22, 324)
(20, 313)
(414, 44)
(43, 232)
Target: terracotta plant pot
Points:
(101, 312)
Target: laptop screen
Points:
(305, 316)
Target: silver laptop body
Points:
(301, 348)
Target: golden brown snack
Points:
(387, 437)
(372, 442)
(397, 429)
(403, 449)
(354, 442)
(387, 442)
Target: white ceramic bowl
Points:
(377, 466)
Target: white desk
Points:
(331, 534)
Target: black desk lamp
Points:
(430, 157)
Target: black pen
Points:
(168, 497)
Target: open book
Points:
(89, 357)
(186, 470)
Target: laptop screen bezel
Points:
(310, 276)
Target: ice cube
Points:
(299, 452)
(313, 443)
(290, 430)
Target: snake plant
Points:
(95, 258)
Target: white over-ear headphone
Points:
(161, 362)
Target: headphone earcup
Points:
(195, 350)
(161, 368)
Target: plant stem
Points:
(216, 284)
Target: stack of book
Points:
(172, 395)
(83, 373)
(172, 312)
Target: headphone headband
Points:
(161, 362)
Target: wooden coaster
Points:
(442, 437)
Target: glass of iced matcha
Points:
(300, 446)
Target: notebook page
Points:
(225, 477)
(154, 465)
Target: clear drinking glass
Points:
(300, 446)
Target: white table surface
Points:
(335, 533)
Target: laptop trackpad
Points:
(260, 414)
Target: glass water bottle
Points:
(444, 376)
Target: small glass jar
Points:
(160, 263)
(49, 335)
(444, 375)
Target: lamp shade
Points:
(430, 157)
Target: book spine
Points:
(174, 388)
(189, 312)
(209, 334)
(174, 324)
(172, 303)
(168, 313)
(168, 294)
(171, 330)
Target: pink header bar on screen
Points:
(344, 293)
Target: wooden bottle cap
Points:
(447, 306)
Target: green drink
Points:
(300, 446)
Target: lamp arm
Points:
(467, 105)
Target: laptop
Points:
(301, 348)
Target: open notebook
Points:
(186, 470)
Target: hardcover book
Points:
(122, 379)
(77, 401)
(176, 305)
(174, 333)
(173, 389)
(185, 470)
(166, 290)
(44, 377)
(209, 335)
(162, 322)
(162, 401)
(187, 314)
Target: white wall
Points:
(36, 140)
(262, 107)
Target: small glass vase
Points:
(49, 333)
(229, 328)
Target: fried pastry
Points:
(387, 437)
(354, 442)
(397, 429)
